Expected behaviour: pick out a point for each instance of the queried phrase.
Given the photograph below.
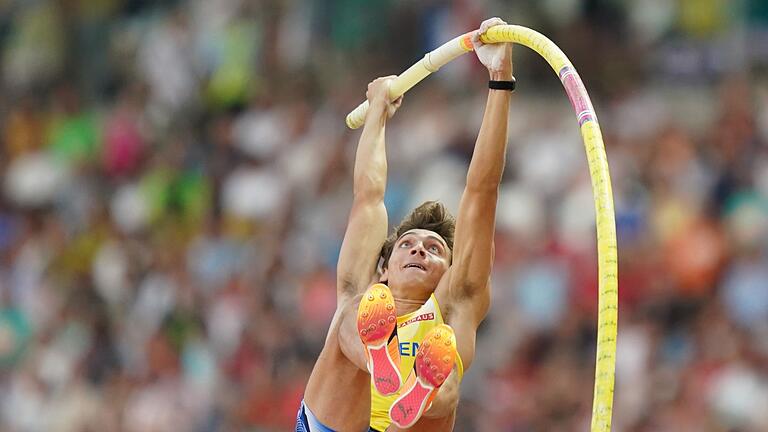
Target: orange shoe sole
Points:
(434, 362)
(376, 322)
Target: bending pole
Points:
(605, 366)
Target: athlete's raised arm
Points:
(367, 225)
(469, 280)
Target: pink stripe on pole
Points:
(577, 94)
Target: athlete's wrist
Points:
(501, 74)
(377, 110)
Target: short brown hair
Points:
(432, 216)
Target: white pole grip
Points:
(356, 118)
(431, 62)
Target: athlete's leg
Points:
(441, 415)
(338, 386)
(434, 364)
(340, 382)
(367, 334)
(376, 324)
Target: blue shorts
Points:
(307, 422)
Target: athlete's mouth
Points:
(415, 265)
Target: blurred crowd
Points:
(176, 177)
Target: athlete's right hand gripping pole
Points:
(601, 185)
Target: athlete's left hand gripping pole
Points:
(431, 62)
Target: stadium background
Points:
(176, 178)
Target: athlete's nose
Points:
(418, 249)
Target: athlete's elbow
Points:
(369, 188)
(483, 183)
(369, 195)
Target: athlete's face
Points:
(419, 259)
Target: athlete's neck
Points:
(410, 298)
(407, 305)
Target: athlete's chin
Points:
(419, 283)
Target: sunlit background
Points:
(176, 177)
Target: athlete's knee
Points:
(348, 310)
(349, 340)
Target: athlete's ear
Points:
(383, 275)
(382, 270)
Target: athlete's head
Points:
(419, 251)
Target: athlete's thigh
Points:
(349, 339)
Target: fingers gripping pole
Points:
(601, 185)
